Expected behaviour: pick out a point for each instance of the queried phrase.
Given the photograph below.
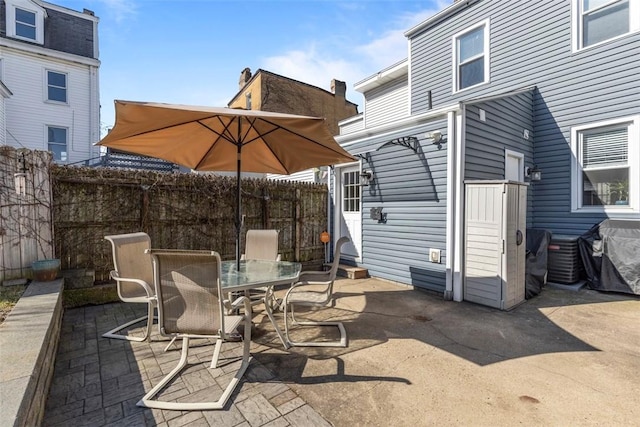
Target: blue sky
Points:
(192, 52)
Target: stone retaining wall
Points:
(28, 343)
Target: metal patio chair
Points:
(262, 245)
(189, 293)
(133, 273)
(314, 289)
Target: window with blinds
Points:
(604, 159)
(607, 147)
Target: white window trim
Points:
(576, 25)
(487, 55)
(46, 87)
(10, 12)
(634, 169)
(67, 142)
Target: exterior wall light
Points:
(436, 136)
(534, 173)
(366, 177)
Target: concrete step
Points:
(352, 272)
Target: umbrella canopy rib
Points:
(224, 135)
(163, 128)
(274, 154)
(299, 135)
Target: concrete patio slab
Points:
(561, 358)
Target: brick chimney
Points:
(245, 76)
(338, 88)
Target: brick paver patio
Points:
(98, 381)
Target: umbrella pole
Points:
(238, 200)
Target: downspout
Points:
(451, 184)
(91, 118)
(458, 209)
(94, 105)
(95, 128)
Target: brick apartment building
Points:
(266, 91)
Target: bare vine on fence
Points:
(25, 210)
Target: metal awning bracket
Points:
(410, 142)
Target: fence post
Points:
(266, 218)
(144, 209)
(297, 225)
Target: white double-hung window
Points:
(25, 20)
(25, 24)
(471, 57)
(56, 86)
(606, 167)
(596, 21)
(57, 142)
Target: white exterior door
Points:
(348, 215)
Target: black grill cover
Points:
(610, 252)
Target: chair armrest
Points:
(150, 293)
(312, 277)
(304, 282)
(243, 300)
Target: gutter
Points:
(439, 17)
(37, 50)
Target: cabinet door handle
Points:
(518, 237)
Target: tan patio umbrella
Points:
(224, 139)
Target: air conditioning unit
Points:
(564, 264)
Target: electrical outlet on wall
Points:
(434, 255)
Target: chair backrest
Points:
(262, 244)
(131, 261)
(336, 256)
(188, 288)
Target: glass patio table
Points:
(254, 274)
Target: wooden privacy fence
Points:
(64, 212)
(178, 211)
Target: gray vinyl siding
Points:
(411, 190)
(503, 129)
(387, 103)
(530, 45)
(506, 120)
(352, 126)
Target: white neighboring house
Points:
(49, 69)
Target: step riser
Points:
(353, 272)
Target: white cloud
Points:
(311, 66)
(318, 63)
(121, 10)
(392, 46)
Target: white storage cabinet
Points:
(495, 240)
